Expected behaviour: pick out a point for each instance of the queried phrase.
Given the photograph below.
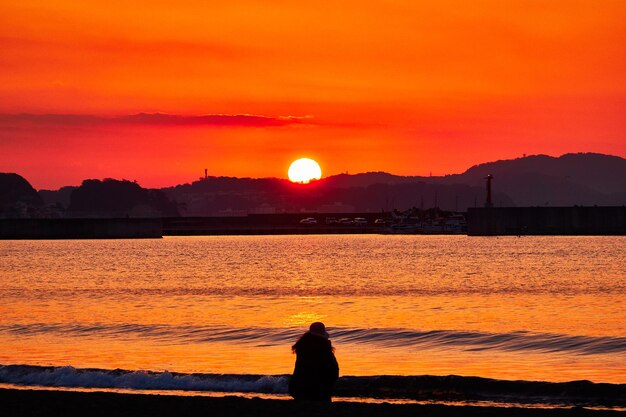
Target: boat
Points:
(410, 223)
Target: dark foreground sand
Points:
(95, 404)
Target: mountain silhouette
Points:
(367, 179)
(537, 180)
(603, 173)
(59, 197)
(572, 179)
(17, 196)
(114, 198)
(227, 195)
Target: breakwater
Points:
(480, 222)
(492, 221)
(270, 224)
(121, 228)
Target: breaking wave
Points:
(438, 388)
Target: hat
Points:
(318, 329)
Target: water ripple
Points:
(385, 337)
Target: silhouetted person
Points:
(316, 369)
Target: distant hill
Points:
(367, 179)
(17, 196)
(572, 179)
(538, 180)
(237, 196)
(60, 197)
(603, 173)
(113, 198)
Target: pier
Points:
(501, 221)
(83, 228)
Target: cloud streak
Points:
(152, 119)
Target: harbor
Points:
(484, 221)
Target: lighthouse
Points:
(488, 202)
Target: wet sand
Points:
(27, 403)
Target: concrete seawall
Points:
(267, 224)
(480, 222)
(546, 221)
(126, 228)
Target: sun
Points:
(304, 170)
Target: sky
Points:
(157, 91)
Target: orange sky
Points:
(408, 87)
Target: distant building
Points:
(230, 213)
(336, 207)
(263, 209)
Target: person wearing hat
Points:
(316, 369)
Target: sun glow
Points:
(304, 170)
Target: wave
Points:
(616, 288)
(386, 337)
(512, 341)
(68, 376)
(442, 388)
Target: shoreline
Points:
(26, 402)
(417, 389)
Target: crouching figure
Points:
(316, 370)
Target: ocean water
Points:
(175, 313)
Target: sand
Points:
(26, 403)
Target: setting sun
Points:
(304, 170)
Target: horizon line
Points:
(331, 175)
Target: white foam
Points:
(68, 376)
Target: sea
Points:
(530, 321)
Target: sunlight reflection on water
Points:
(488, 296)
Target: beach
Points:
(26, 403)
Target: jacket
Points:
(316, 369)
